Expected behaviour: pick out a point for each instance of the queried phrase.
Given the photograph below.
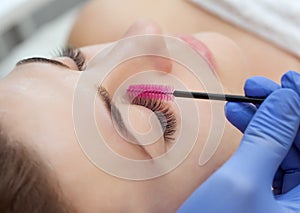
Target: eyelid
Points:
(75, 54)
(164, 114)
(41, 60)
(69, 62)
(115, 114)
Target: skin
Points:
(263, 58)
(36, 109)
(44, 122)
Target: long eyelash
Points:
(107, 99)
(165, 116)
(75, 54)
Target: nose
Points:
(141, 27)
(149, 27)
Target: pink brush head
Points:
(150, 91)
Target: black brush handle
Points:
(219, 97)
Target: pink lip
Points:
(201, 48)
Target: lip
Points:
(201, 48)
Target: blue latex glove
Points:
(240, 114)
(243, 183)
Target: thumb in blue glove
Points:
(243, 183)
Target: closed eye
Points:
(76, 55)
(165, 115)
(42, 60)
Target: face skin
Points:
(98, 20)
(36, 109)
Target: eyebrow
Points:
(42, 60)
(116, 115)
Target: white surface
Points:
(9, 5)
(13, 11)
(43, 43)
(274, 20)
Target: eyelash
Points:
(75, 54)
(164, 114)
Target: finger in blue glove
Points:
(243, 183)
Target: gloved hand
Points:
(243, 183)
(288, 175)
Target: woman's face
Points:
(37, 103)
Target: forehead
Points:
(35, 91)
(34, 76)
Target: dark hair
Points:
(26, 183)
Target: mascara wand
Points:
(166, 93)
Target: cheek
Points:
(231, 64)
